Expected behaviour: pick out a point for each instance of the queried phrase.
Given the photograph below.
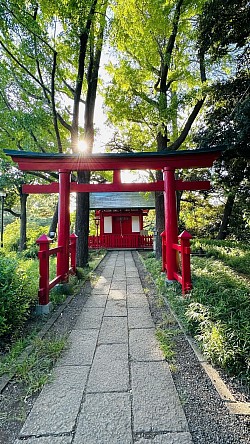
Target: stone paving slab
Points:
(102, 290)
(140, 317)
(109, 371)
(169, 438)
(117, 294)
(114, 330)
(81, 348)
(132, 289)
(137, 300)
(133, 281)
(97, 300)
(105, 419)
(56, 408)
(47, 440)
(116, 308)
(143, 345)
(119, 285)
(90, 318)
(156, 406)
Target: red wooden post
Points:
(43, 256)
(163, 249)
(171, 228)
(73, 240)
(63, 224)
(185, 261)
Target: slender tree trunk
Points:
(162, 141)
(23, 222)
(54, 221)
(226, 216)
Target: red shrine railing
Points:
(43, 255)
(181, 270)
(118, 241)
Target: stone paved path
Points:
(112, 385)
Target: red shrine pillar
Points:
(63, 224)
(171, 226)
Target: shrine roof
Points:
(133, 200)
(30, 161)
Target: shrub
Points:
(12, 236)
(17, 294)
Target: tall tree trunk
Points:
(82, 203)
(226, 216)
(23, 222)
(82, 221)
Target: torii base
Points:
(43, 309)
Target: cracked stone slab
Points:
(106, 418)
(143, 345)
(169, 438)
(97, 300)
(140, 318)
(117, 294)
(156, 405)
(90, 318)
(116, 308)
(109, 371)
(81, 348)
(47, 440)
(113, 330)
(57, 406)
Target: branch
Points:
(170, 46)
(8, 210)
(34, 16)
(64, 123)
(71, 90)
(177, 143)
(21, 65)
(42, 176)
(58, 138)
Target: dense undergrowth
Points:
(216, 312)
(19, 278)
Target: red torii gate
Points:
(166, 161)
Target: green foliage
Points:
(166, 344)
(18, 292)
(216, 311)
(12, 234)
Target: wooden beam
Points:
(114, 161)
(115, 187)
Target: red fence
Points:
(181, 269)
(118, 241)
(43, 255)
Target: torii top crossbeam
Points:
(28, 161)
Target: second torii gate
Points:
(167, 161)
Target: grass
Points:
(234, 254)
(216, 312)
(33, 370)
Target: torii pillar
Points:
(63, 224)
(171, 224)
